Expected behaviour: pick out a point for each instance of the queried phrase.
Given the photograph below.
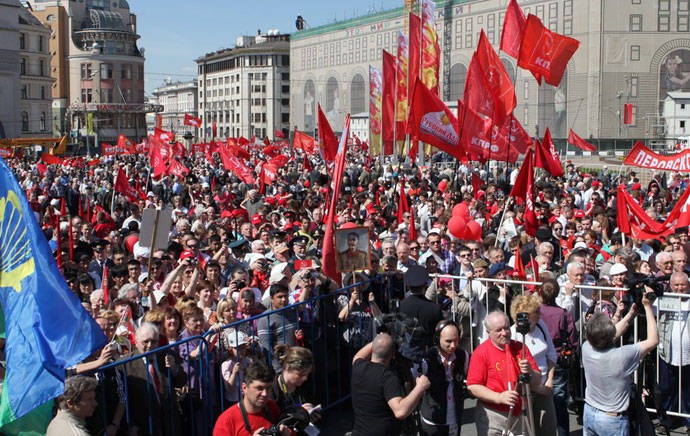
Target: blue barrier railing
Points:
(195, 394)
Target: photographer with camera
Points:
(490, 380)
(256, 412)
(609, 370)
(378, 399)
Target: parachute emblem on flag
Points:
(439, 125)
(16, 258)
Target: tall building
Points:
(98, 67)
(245, 90)
(631, 52)
(177, 99)
(10, 122)
(36, 113)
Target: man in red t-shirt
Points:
(259, 410)
(493, 374)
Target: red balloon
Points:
(473, 231)
(130, 241)
(442, 185)
(462, 210)
(457, 226)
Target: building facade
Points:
(677, 115)
(99, 68)
(245, 90)
(632, 51)
(36, 83)
(177, 99)
(10, 122)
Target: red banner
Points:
(641, 156)
(5, 152)
(109, 150)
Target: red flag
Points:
(279, 134)
(215, 129)
(545, 52)
(432, 122)
(58, 239)
(88, 209)
(497, 79)
(476, 184)
(477, 94)
(239, 151)
(327, 139)
(402, 202)
(524, 189)
(328, 261)
(178, 149)
(41, 168)
(415, 37)
(279, 161)
(163, 148)
(628, 113)
(413, 228)
(125, 144)
(516, 134)
(634, 221)
(63, 210)
(519, 267)
(535, 268)
(513, 29)
(105, 287)
(546, 156)
(81, 213)
(579, 142)
(163, 135)
(190, 120)
(307, 164)
(51, 160)
(177, 169)
(388, 103)
(268, 174)
(231, 163)
(157, 161)
(123, 187)
(303, 141)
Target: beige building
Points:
(177, 99)
(632, 51)
(10, 122)
(98, 67)
(36, 83)
(245, 90)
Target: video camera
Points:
(408, 335)
(522, 325)
(295, 418)
(636, 287)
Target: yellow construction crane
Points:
(58, 146)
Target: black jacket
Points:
(434, 402)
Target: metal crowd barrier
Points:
(192, 407)
(641, 376)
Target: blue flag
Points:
(45, 325)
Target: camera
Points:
(636, 287)
(295, 418)
(522, 324)
(240, 285)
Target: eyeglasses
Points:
(464, 255)
(414, 247)
(193, 246)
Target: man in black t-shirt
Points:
(378, 400)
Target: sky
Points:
(175, 32)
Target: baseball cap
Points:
(277, 273)
(618, 268)
(282, 247)
(256, 219)
(480, 263)
(186, 255)
(498, 267)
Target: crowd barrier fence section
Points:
(164, 401)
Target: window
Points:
(357, 94)
(568, 8)
(636, 2)
(664, 22)
(106, 71)
(25, 122)
(682, 124)
(634, 85)
(86, 96)
(567, 27)
(634, 52)
(635, 23)
(23, 92)
(42, 122)
(43, 92)
(683, 23)
(22, 66)
(40, 43)
(86, 71)
(126, 71)
(664, 5)
(41, 67)
(22, 41)
(285, 89)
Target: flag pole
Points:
(503, 216)
(112, 199)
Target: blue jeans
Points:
(598, 423)
(560, 400)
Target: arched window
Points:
(43, 122)
(357, 95)
(309, 105)
(25, 122)
(458, 72)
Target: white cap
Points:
(618, 268)
(140, 251)
(158, 296)
(277, 273)
(235, 338)
(253, 257)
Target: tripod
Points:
(526, 416)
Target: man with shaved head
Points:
(492, 377)
(378, 399)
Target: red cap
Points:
(226, 214)
(579, 214)
(596, 183)
(288, 226)
(256, 219)
(360, 189)
(186, 255)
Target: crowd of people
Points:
(238, 250)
